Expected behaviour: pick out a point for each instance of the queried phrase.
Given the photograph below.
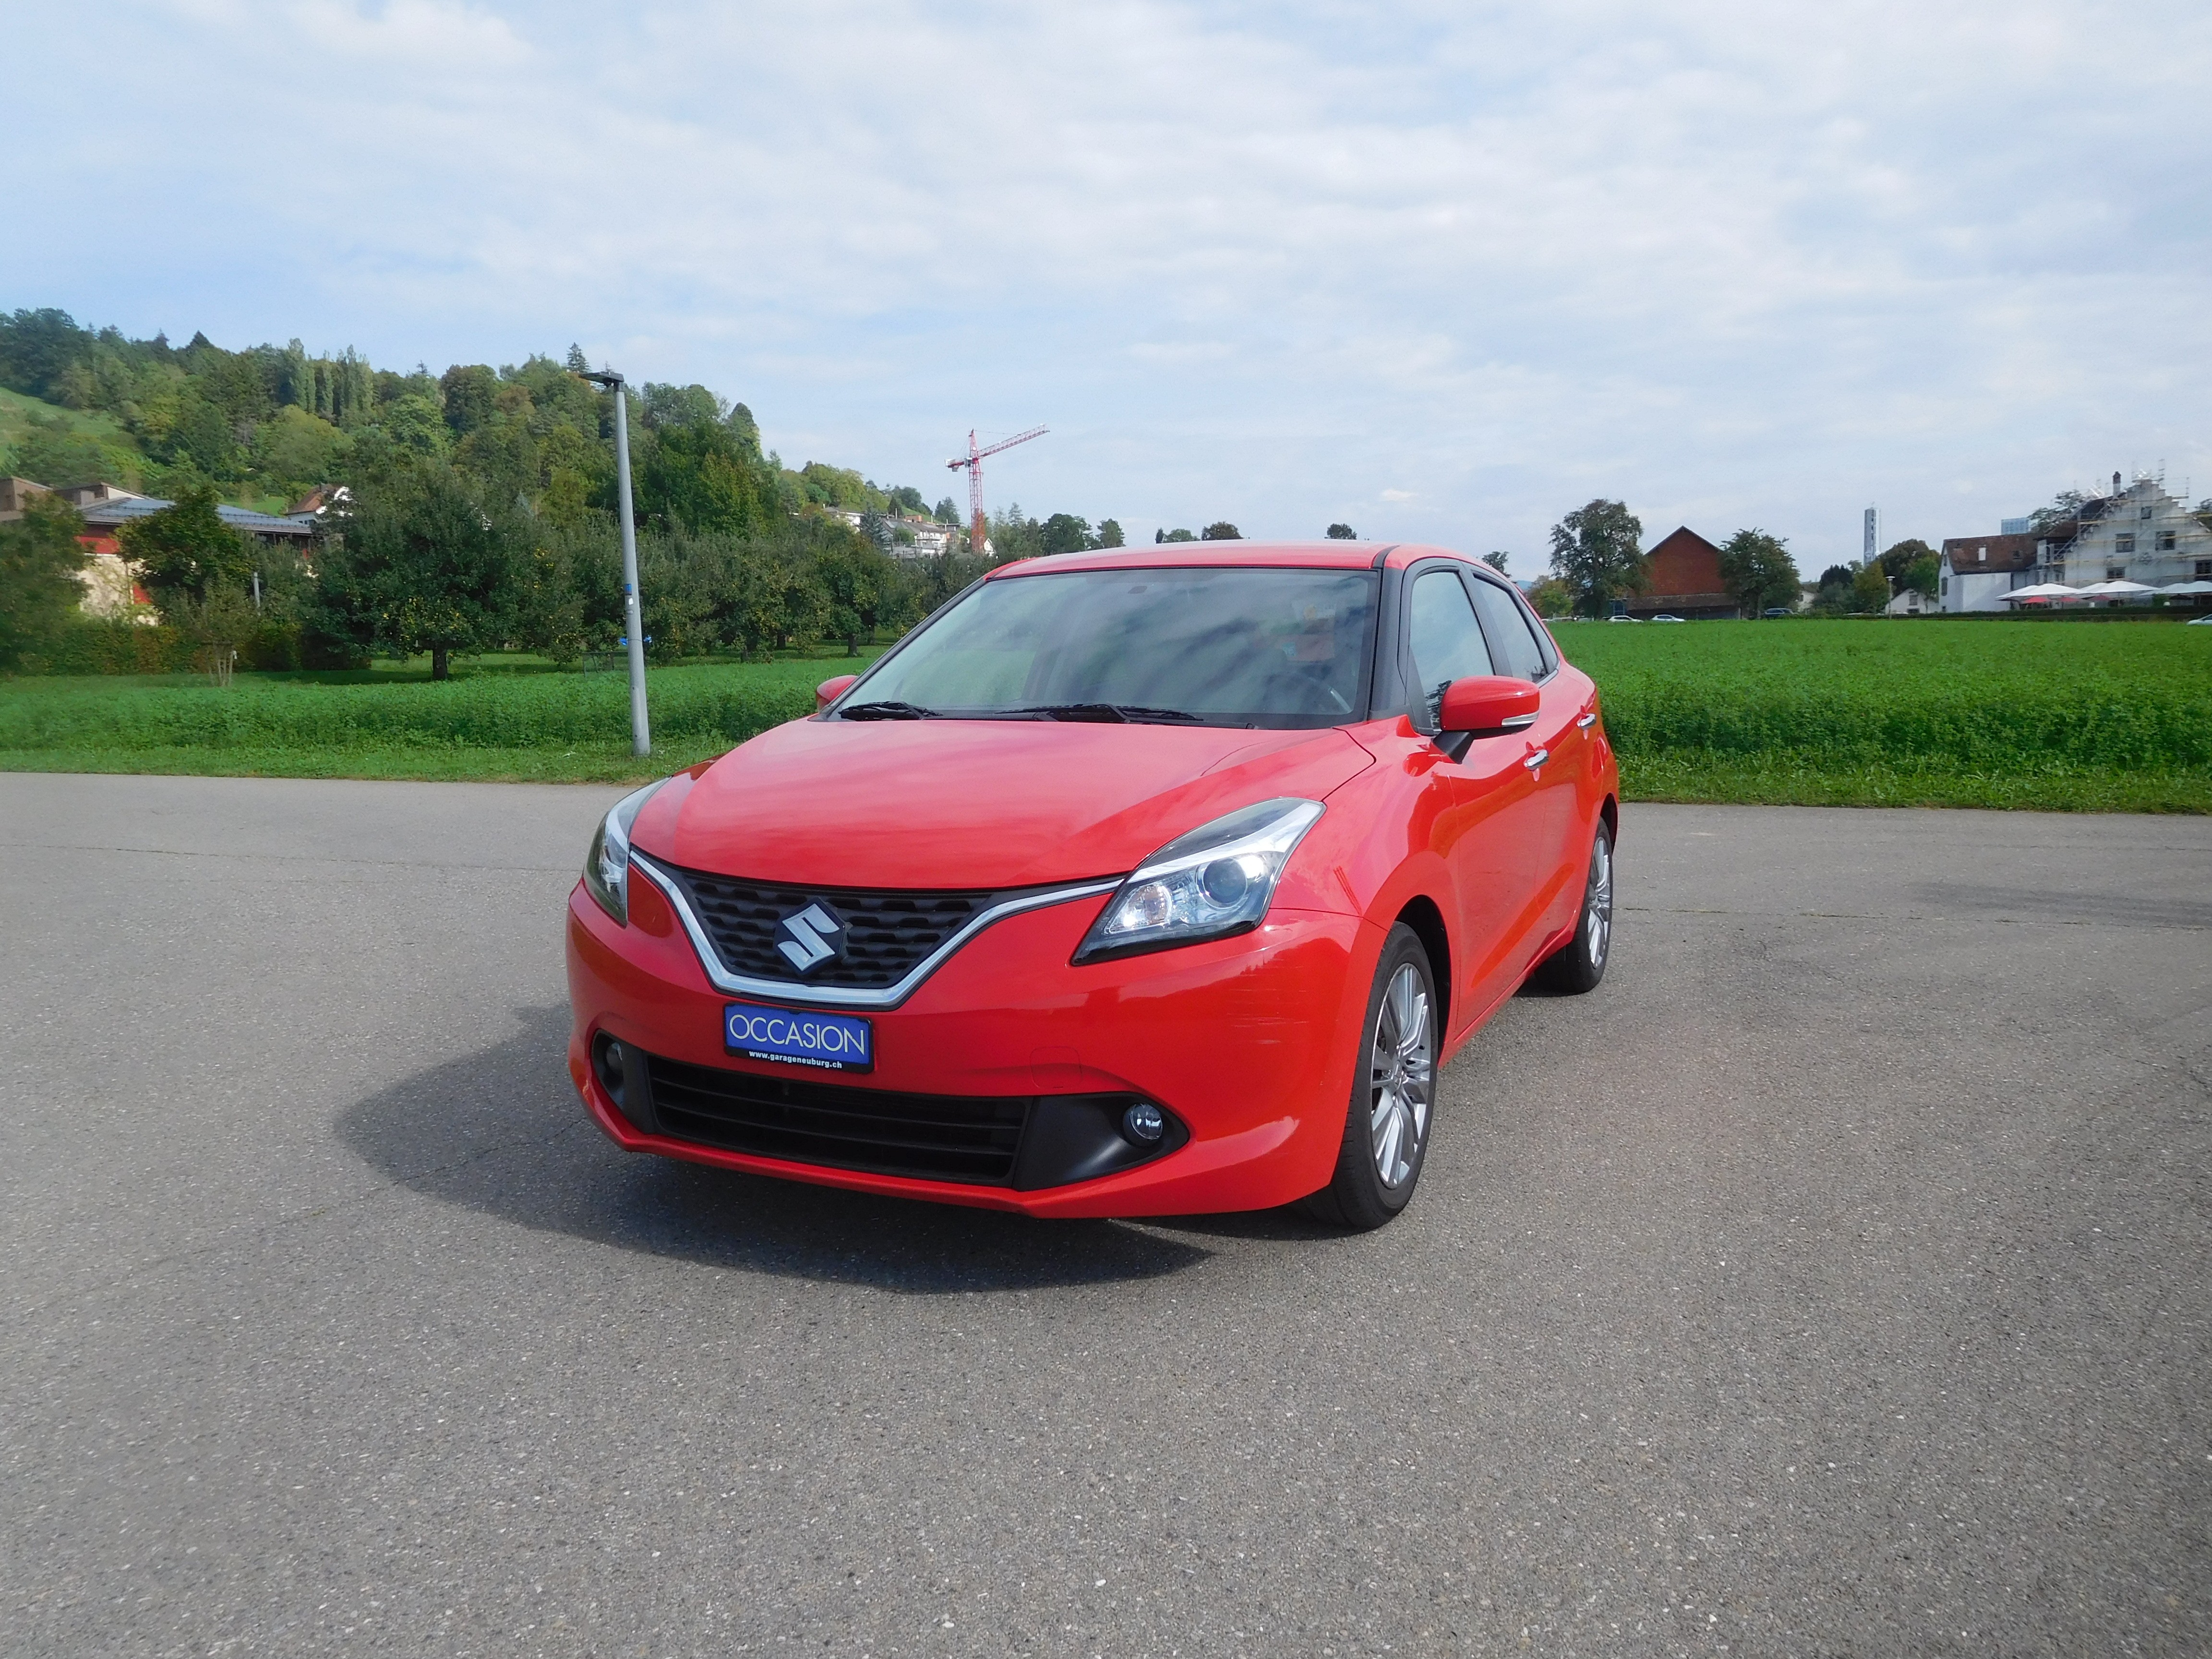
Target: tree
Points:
(2066, 504)
(1901, 556)
(1870, 589)
(695, 477)
(857, 581)
(1109, 534)
(39, 557)
(1173, 536)
(470, 394)
(1342, 532)
(1064, 532)
(1833, 595)
(36, 347)
(1921, 577)
(1757, 569)
(185, 547)
(1496, 561)
(426, 563)
(295, 449)
(1551, 598)
(1596, 550)
(1221, 530)
(948, 512)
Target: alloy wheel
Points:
(1401, 1077)
(1599, 927)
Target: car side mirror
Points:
(1484, 705)
(832, 689)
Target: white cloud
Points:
(1749, 263)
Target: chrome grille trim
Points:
(842, 996)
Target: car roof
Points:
(1159, 555)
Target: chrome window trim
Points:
(845, 996)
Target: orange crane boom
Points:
(973, 460)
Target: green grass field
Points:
(502, 723)
(2085, 718)
(2113, 718)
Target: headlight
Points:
(606, 866)
(1216, 881)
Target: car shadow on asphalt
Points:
(501, 1132)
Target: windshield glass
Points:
(1239, 646)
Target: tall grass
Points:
(1986, 708)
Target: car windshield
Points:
(1281, 648)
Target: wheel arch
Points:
(1609, 810)
(1420, 914)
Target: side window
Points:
(1546, 646)
(1512, 642)
(1448, 644)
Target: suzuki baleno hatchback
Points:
(1131, 882)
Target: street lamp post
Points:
(640, 731)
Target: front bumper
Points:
(1248, 1042)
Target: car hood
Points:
(975, 804)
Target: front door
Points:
(1557, 751)
(1481, 808)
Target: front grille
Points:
(888, 935)
(936, 1137)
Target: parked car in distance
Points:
(1777, 611)
(1135, 882)
(1663, 616)
(1633, 619)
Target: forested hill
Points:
(266, 424)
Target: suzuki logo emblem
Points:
(815, 937)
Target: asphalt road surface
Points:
(1832, 1281)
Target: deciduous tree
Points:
(1869, 589)
(426, 563)
(1757, 571)
(39, 557)
(1596, 550)
(185, 547)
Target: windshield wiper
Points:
(1129, 713)
(893, 710)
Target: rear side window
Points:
(1447, 645)
(1512, 643)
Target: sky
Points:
(1443, 272)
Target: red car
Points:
(1133, 883)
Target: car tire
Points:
(1392, 1111)
(1579, 964)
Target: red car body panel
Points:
(1249, 1041)
(1092, 799)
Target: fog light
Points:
(1143, 1124)
(609, 1059)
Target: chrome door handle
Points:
(1532, 761)
(1587, 720)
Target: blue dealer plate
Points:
(833, 1043)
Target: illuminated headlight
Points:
(606, 866)
(1216, 881)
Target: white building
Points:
(1977, 572)
(912, 536)
(2139, 533)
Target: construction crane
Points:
(973, 460)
